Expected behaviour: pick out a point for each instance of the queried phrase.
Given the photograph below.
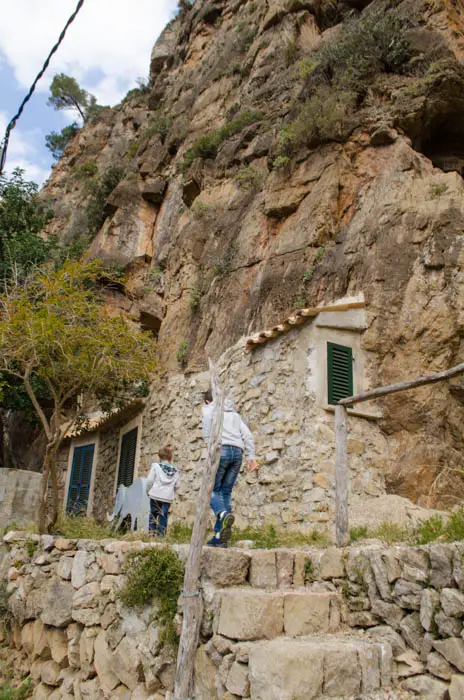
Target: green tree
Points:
(22, 218)
(57, 142)
(66, 94)
(56, 331)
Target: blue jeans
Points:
(226, 476)
(159, 511)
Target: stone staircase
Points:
(291, 644)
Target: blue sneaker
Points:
(216, 542)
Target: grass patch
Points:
(20, 692)
(359, 532)
(154, 574)
(436, 191)
(207, 146)
(269, 537)
(79, 527)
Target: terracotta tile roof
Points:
(99, 419)
(300, 316)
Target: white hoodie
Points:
(163, 480)
(234, 430)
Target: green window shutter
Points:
(127, 458)
(79, 483)
(339, 372)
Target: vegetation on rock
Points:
(56, 142)
(154, 574)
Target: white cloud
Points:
(23, 153)
(112, 37)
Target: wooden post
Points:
(342, 533)
(192, 603)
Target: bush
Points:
(249, 178)
(365, 47)
(321, 118)
(159, 124)
(196, 295)
(85, 171)
(100, 191)
(181, 353)
(154, 573)
(207, 146)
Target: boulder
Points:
(331, 564)
(78, 570)
(456, 689)
(57, 604)
(237, 680)
(246, 614)
(452, 649)
(429, 605)
(102, 660)
(452, 602)
(438, 666)
(426, 687)
(87, 597)
(126, 664)
(58, 643)
(50, 673)
(64, 568)
(153, 191)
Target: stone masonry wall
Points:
(277, 624)
(19, 496)
(274, 388)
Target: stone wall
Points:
(277, 624)
(19, 496)
(279, 390)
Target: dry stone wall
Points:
(277, 624)
(19, 496)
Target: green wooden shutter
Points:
(339, 372)
(127, 458)
(79, 483)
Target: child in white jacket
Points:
(163, 480)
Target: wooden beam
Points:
(342, 532)
(402, 386)
(192, 603)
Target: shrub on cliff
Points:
(207, 146)
(321, 118)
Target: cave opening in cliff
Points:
(444, 144)
(149, 322)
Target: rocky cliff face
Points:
(276, 162)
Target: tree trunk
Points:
(49, 472)
(191, 601)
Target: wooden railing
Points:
(342, 532)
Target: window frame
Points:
(330, 371)
(126, 428)
(83, 441)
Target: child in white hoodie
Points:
(163, 481)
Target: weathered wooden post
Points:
(192, 604)
(342, 533)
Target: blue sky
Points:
(106, 49)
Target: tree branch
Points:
(35, 403)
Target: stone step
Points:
(249, 614)
(328, 666)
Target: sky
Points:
(106, 49)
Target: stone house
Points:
(285, 382)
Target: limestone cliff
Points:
(253, 177)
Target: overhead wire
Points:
(12, 123)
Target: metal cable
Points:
(12, 123)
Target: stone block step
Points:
(249, 614)
(318, 667)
